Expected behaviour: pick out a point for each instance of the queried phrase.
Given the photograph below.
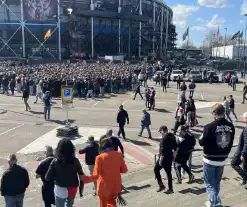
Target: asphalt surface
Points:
(22, 130)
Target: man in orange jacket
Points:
(107, 172)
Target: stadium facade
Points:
(85, 27)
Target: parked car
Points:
(195, 75)
(212, 74)
(176, 73)
(157, 74)
(225, 73)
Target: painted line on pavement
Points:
(128, 99)
(95, 104)
(11, 129)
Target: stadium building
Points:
(56, 29)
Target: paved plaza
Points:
(27, 134)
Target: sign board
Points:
(67, 96)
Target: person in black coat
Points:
(168, 146)
(240, 155)
(48, 186)
(14, 183)
(91, 152)
(25, 97)
(186, 142)
(122, 116)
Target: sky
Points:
(203, 16)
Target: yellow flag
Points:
(47, 35)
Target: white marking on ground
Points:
(96, 104)
(201, 105)
(202, 97)
(142, 149)
(128, 99)
(51, 139)
(11, 129)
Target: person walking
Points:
(47, 105)
(109, 166)
(122, 117)
(39, 91)
(192, 87)
(91, 152)
(65, 169)
(240, 156)
(25, 97)
(48, 186)
(227, 108)
(145, 123)
(164, 82)
(244, 93)
(12, 86)
(233, 82)
(186, 143)
(232, 107)
(217, 140)
(14, 183)
(167, 148)
(138, 91)
(116, 144)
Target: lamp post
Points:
(225, 43)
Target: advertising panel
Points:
(40, 10)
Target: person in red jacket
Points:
(107, 172)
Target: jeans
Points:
(212, 178)
(192, 92)
(14, 201)
(47, 112)
(64, 202)
(148, 129)
(31, 90)
(102, 91)
(227, 114)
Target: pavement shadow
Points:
(62, 122)
(36, 112)
(196, 130)
(3, 111)
(162, 110)
(136, 188)
(196, 167)
(156, 139)
(137, 142)
(195, 191)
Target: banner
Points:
(40, 9)
(67, 96)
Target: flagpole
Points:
(188, 41)
(245, 42)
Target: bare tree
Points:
(188, 45)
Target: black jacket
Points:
(64, 174)
(15, 181)
(91, 152)
(217, 140)
(116, 144)
(25, 93)
(168, 144)
(242, 144)
(232, 104)
(122, 116)
(185, 147)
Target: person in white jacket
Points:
(38, 92)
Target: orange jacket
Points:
(107, 173)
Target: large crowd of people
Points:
(61, 172)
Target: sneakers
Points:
(208, 204)
(161, 188)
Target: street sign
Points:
(67, 96)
